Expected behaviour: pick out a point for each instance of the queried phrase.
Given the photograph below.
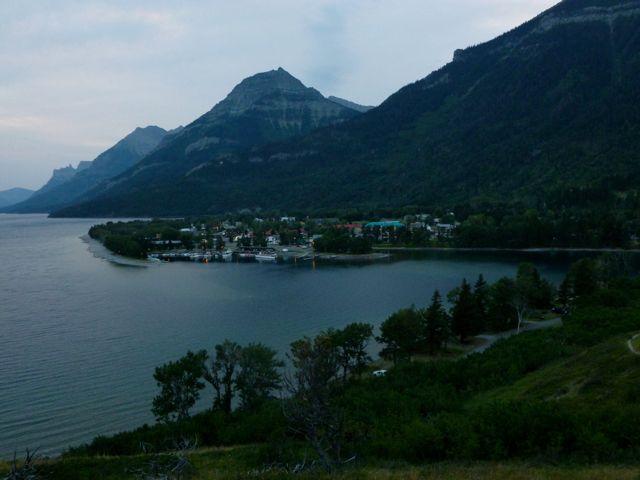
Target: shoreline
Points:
(348, 257)
(506, 250)
(98, 250)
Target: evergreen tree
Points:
(463, 313)
(564, 292)
(481, 300)
(500, 313)
(536, 292)
(401, 335)
(584, 277)
(436, 328)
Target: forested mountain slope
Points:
(267, 107)
(545, 114)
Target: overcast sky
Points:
(78, 75)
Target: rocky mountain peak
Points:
(143, 139)
(260, 86)
(265, 82)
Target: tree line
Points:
(483, 307)
(252, 375)
(339, 240)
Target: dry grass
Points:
(229, 464)
(509, 472)
(487, 471)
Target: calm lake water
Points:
(80, 335)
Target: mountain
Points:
(267, 107)
(59, 177)
(14, 195)
(351, 105)
(544, 115)
(69, 184)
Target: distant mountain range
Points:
(545, 114)
(69, 184)
(14, 195)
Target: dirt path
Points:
(633, 349)
(527, 327)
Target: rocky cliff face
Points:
(263, 92)
(59, 177)
(571, 13)
(266, 107)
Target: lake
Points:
(80, 335)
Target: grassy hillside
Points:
(605, 374)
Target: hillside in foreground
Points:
(558, 402)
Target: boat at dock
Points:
(265, 257)
(246, 256)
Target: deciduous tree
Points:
(221, 373)
(180, 385)
(351, 344)
(311, 409)
(259, 376)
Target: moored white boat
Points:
(266, 257)
(246, 256)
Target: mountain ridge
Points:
(350, 104)
(541, 115)
(268, 106)
(14, 195)
(69, 184)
